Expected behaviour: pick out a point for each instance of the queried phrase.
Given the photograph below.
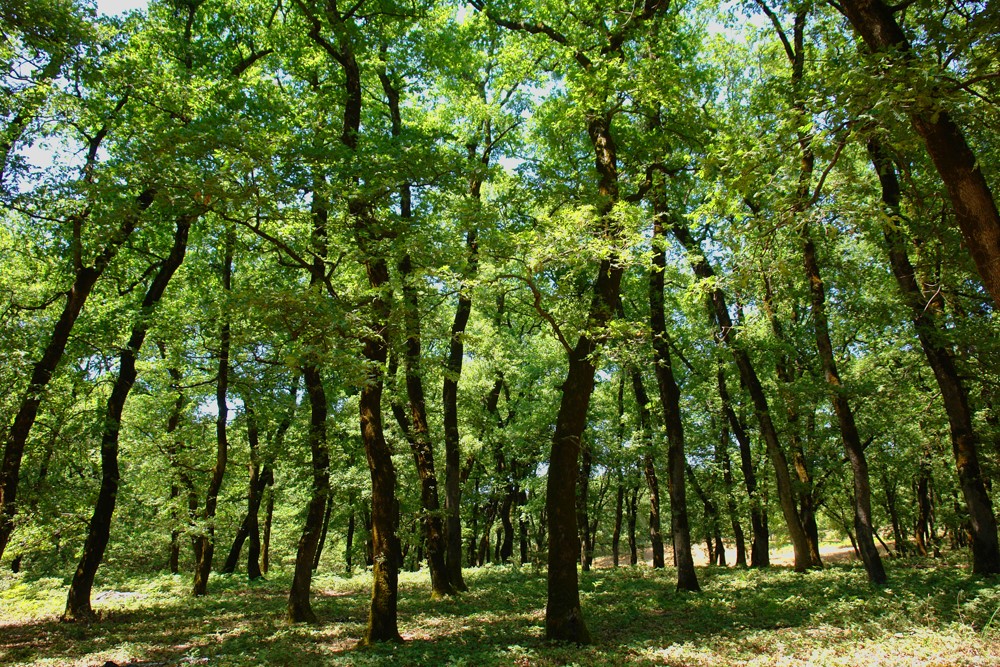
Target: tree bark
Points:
(99, 530)
(760, 544)
(670, 403)
(973, 203)
(845, 418)
(649, 468)
(205, 542)
(728, 335)
(83, 283)
(964, 438)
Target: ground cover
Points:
(926, 616)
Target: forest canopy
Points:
(289, 284)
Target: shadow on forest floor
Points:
(928, 615)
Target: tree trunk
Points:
(975, 208)
(786, 497)
(323, 532)
(722, 460)
(299, 597)
(632, 516)
(964, 438)
(845, 418)
(205, 542)
(449, 399)
(99, 530)
(255, 490)
(265, 548)
(649, 467)
(83, 283)
(670, 402)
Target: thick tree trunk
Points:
(299, 597)
(99, 530)
(83, 283)
(974, 205)
(670, 402)
(783, 482)
(964, 438)
(205, 542)
(649, 468)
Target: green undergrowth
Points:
(926, 616)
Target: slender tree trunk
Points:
(76, 296)
(323, 532)
(99, 530)
(205, 543)
(632, 516)
(845, 419)
(759, 547)
(806, 489)
(586, 548)
(255, 488)
(616, 536)
(265, 548)
(786, 497)
(964, 438)
(449, 399)
(670, 402)
(974, 205)
(349, 547)
(649, 467)
(722, 460)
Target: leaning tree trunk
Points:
(76, 296)
(759, 546)
(974, 205)
(786, 497)
(964, 438)
(99, 530)
(670, 402)
(205, 542)
(845, 418)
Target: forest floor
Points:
(931, 613)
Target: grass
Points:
(927, 616)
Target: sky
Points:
(113, 7)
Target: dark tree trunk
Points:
(759, 546)
(786, 497)
(99, 530)
(975, 208)
(449, 398)
(722, 460)
(349, 548)
(265, 548)
(76, 296)
(670, 402)
(806, 489)
(649, 467)
(299, 598)
(420, 440)
(323, 532)
(964, 438)
(205, 542)
(845, 418)
(616, 536)
(632, 516)
(255, 490)
(582, 506)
